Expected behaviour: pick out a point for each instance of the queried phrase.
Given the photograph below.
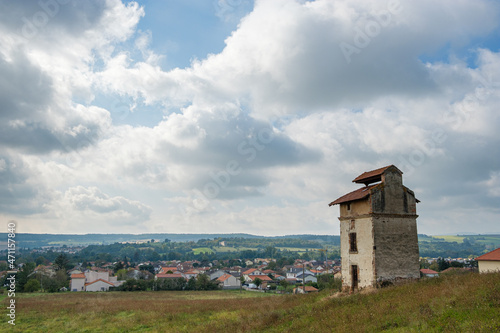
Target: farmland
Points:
(468, 302)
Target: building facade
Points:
(489, 262)
(378, 231)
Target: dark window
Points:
(348, 206)
(353, 245)
(354, 276)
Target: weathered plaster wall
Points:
(396, 248)
(364, 256)
(358, 207)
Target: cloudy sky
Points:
(215, 116)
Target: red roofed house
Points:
(77, 282)
(98, 285)
(308, 289)
(429, 272)
(228, 281)
(249, 272)
(261, 277)
(378, 231)
(93, 281)
(489, 262)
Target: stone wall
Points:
(396, 248)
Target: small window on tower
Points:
(349, 206)
(353, 245)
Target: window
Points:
(348, 206)
(353, 245)
(354, 277)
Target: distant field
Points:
(199, 250)
(483, 239)
(456, 303)
(233, 249)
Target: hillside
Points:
(462, 303)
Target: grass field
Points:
(199, 250)
(233, 249)
(483, 239)
(461, 303)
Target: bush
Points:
(31, 286)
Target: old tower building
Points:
(378, 231)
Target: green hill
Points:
(455, 303)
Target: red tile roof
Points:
(358, 194)
(261, 277)
(372, 176)
(224, 277)
(166, 269)
(249, 271)
(490, 256)
(169, 276)
(78, 276)
(87, 284)
(428, 271)
(308, 289)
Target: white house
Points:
(93, 281)
(429, 272)
(307, 277)
(77, 282)
(489, 262)
(98, 285)
(216, 274)
(228, 281)
(249, 272)
(294, 272)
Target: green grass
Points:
(199, 250)
(448, 238)
(296, 249)
(455, 303)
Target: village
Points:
(379, 247)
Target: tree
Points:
(284, 283)
(443, 264)
(61, 262)
(191, 284)
(40, 260)
(272, 265)
(202, 281)
(32, 285)
(257, 282)
(118, 266)
(23, 276)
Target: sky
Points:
(240, 116)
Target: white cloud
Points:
(277, 124)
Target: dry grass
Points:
(469, 303)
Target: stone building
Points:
(378, 231)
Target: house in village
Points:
(489, 262)
(429, 272)
(249, 272)
(306, 277)
(305, 290)
(93, 281)
(378, 231)
(216, 274)
(228, 281)
(265, 280)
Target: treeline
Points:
(31, 241)
(263, 242)
(439, 248)
(201, 282)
